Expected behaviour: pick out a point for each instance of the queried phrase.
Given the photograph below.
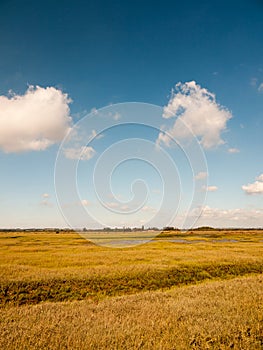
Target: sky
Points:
(131, 113)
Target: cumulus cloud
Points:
(233, 150)
(238, 214)
(255, 187)
(35, 120)
(45, 195)
(81, 153)
(219, 217)
(260, 178)
(196, 108)
(210, 188)
(201, 176)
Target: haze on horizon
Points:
(200, 65)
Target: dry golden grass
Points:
(214, 315)
(36, 267)
(46, 266)
(33, 256)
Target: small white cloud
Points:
(260, 88)
(112, 204)
(117, 116)
(148, 209)
(45, 202)
(82, 153)
(254, 188)
(201, 176)
(94, 111)
(233, 150)
(117, 196)
(210, 188)
(85, 202)
(33, 121)
(196, 108)
(94, 135)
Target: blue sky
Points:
(109, 52)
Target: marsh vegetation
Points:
(60, 291)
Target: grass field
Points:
(197, 290)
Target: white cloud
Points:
(237, 214)
(210, 188)
(217, 217)
(233, 150)
(85, 202)
(94, 111)
(35, 120)
(81, 153)
(117, 196)
(254, 188)
(260, 177)
(45, 202)
(201, 176)
(149, 209)
(94, 135)
(260, 88)
(117, 116)
(196, 108)
(112, 204)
